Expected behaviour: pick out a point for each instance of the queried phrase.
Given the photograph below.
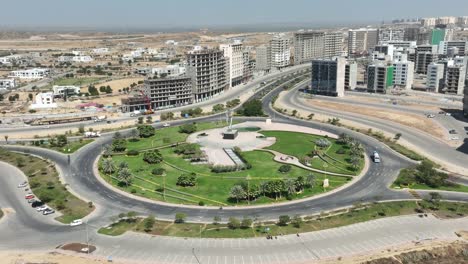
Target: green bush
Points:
(187, 180)
(285, 168)
(158, 171)
(153, 157)
(133, 152)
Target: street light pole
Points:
(87, 237)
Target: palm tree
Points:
(237, 192)
(310, 180)
(123, 165)
(107, 150)
(290, 186)
(355, 161)
(6, 139)
(125, 176)
(108, 166)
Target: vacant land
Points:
(46, 186)
(76, 81)
(357, 214)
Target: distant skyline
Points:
(190, 14)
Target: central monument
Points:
(230, 133)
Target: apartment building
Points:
(280, 51)
(263, 59)
(379, 78)
(350, 76)
(391, 34)
(362, 40)
(328, 77)
(403, 74)
(465, 100)
(65, 90)
(35, 73)
(168, 71)
(428, 22)
(209, 71)
(234, 53)
(455, 79)
(425, 55)
(435, 77)
(169, 92)
(461, 46)
(309, 45)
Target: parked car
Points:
(23, 184)
(430, 115)
(452, 131)
(455, 138)
(42, 208)
(32, 200)
(29, 196)
(76, 222)
(48, 211)
(36, 204)
(166, 125)
(448, 114)
(441, 112)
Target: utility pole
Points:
(87, 236)
(248, 188)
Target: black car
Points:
(37, 204)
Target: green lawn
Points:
(357, 214)
(301, 144)
(70, 148)
(211, 188)
(45, 185)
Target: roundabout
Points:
(266, 163)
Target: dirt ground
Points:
(47, 258)
(115, 84)
(410, 120)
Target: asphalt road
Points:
(26, 230)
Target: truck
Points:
(92, 134)
(376, 157)
(100, 118)
(136, 113)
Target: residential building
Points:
(100, 50)
(411, 34)
(465, 100)
(11, 59)
(447, 20)
(460, 45)
(169, 92)
(435, 77)
(391, 34)
(248, 66)
(455, 79)
(169, 71)
(379, 78)
(462, 21)
(35, 73)
(280, 46)
(7, 84)
(234, 53)
(309, 45)
(209, 71)
(437, 35)
(350, 76)
(263, 59)
(328, 77)
(68, 90)
(425, 55)
(428, 22)
(362, 40)
(403, 74)
(44, 100)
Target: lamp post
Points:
(248, 178)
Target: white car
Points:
(76, 222)
(166, 125)
(455, 138)
(448, 114)
(23, 184)
(42, 208)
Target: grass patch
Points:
(413, 178)
(71, 147)
(79, 81)
(357, 214)
(45, 184)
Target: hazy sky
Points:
(192, 13)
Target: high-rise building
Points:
(234, 53)
(311, 45)
(248, 69)
(379, 78)
(461, 45)
(169, 92)
(403, 75)
(328, 77)
(462, 21)
(280, 51)
(465, 100)
(435, 77)
(350, 76)
(455, 79)
(437, 35)
(448, 20)
(425, 55)
(428, 22)
(209, 71)
(361, 41)
(263, 61)
(411, 34)
(391, 34)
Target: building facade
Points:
(465, 100)
(234, 53)
(460, 46)
(280, 51)
(403, 75)
(350, 76)
(455, 79)
(263, 59)
(391, 34)
(435, 77)
(328, 77)
(379, 78)
(310, 45)
(361, 41)
(30, 74)
(169, 92)
(209, 71)
(7, 84)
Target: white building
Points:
(362, 40)
(68, 89)
(461, 45)
(44, 100)
(234, 53)
(7, 83)
(391, 34)
(10, 59)
(403, 73)
(280, 51)
(447, 20)
(435, 76)
(169, 71)
(35, 73)
(428, 22)
(100, 50)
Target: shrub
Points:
(158, 171)
(246, 223)
(234, 223)
(153, 157)
(188, 128)
(285, 168)
(341, 151)
(180, 218)
(187, 180)
(201, 203)
(284, 220)
(133, 152)
(146, 131)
